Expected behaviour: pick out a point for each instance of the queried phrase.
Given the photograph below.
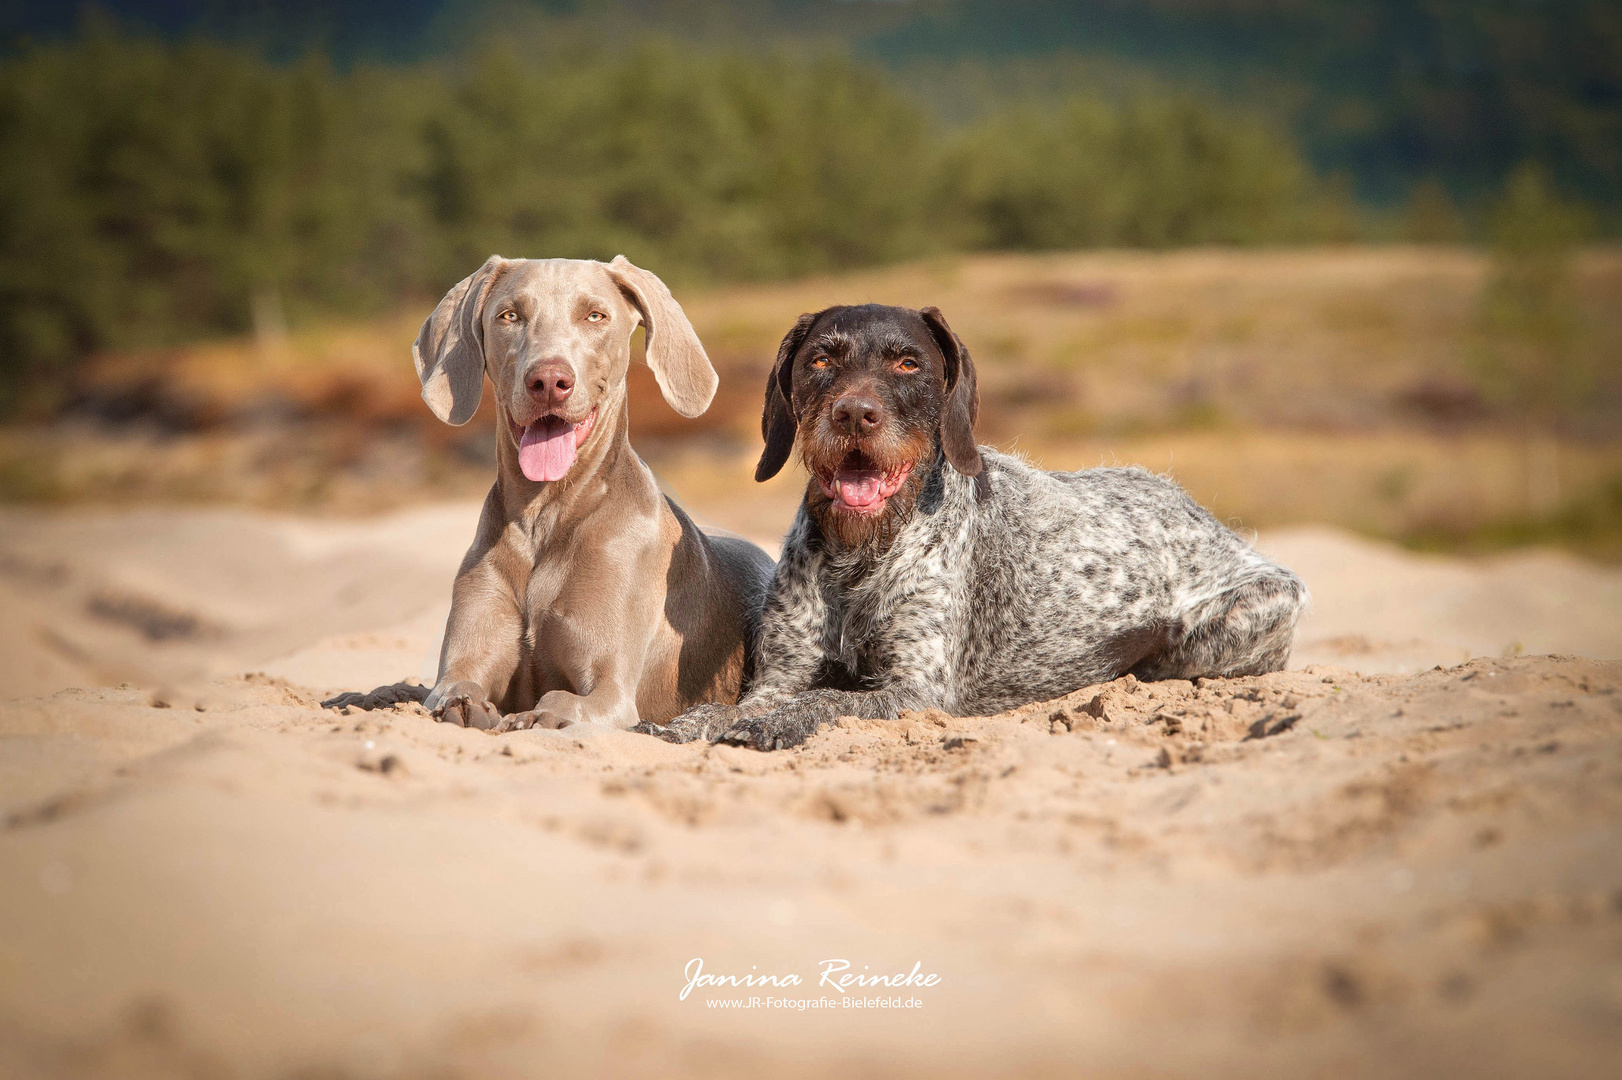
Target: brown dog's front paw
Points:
(791, 724)
(783, 729)
(465, 705)
(701, 722)
(764, 734)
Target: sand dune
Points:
(1362, 866)
(175, 598)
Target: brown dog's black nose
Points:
(550, 383)
(858, 414)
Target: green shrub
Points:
(1153, 173)
(153, 192)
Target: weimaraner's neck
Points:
(601, 467)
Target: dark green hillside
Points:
(183, 169)
(1391, 92)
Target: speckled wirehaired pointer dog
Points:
(924, 571)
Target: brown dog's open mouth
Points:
(547, 447)
(859, 486)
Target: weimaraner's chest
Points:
(581, 615)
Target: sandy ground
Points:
(1367, 865)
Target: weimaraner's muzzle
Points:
(587, 596)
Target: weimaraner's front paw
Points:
(555, 711)
(534, 718)
(465, 705)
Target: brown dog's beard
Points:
(872, 534)
(865, 533)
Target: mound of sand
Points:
(1324, 870)
(1309, 871)
(181, 598)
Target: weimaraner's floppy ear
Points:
(962, 397)
(777, 420)
(449, 350)
(674, 352)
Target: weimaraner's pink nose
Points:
(550, 383)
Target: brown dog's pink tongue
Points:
(857, 487)
(547, 449)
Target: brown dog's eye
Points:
(596, 316)
(820, 362)
(508, 316)
(907, 363)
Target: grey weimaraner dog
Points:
(587, 596)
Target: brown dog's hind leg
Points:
(1246, 630)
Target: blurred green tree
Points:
(1154, 172)
(1431, 216)
(1527, 354)
(154, 192)
(151, 192)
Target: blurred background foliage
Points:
(170, 171)
(155, 191)
(1531, 321)
(1345, 261)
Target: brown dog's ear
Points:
(777, 419)
(674, 352)
(962, 405)
(449, 350)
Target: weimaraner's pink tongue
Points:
(547, 449)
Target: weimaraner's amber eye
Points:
(508, 316)
(596, 316)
